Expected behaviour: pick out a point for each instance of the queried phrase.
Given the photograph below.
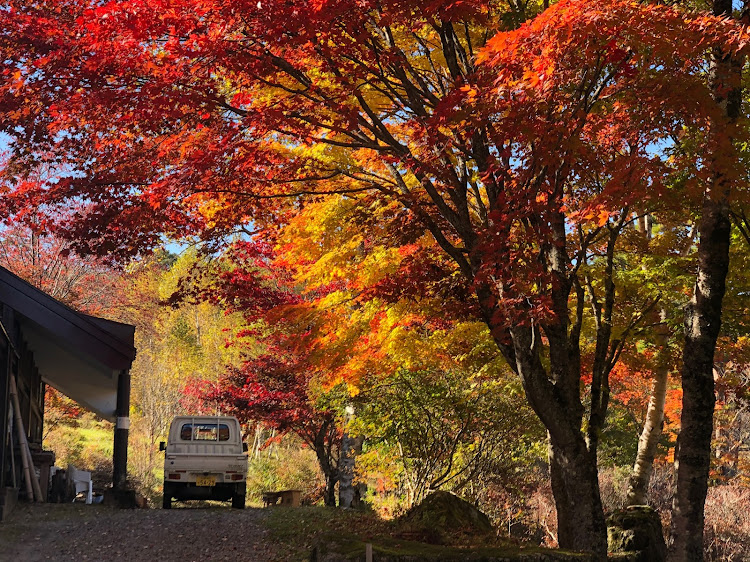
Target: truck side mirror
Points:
(162, 446)
(244, 447)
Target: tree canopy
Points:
(490, 154)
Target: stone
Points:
(442, 514)
(636, 532)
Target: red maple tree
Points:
(523, 155)
(272, 386)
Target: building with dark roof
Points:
(44, 342)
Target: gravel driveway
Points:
(75, 532)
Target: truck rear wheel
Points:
(238, 497)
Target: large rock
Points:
(443, 514)
(422, 534)
(635, 534)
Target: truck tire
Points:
(238, 497)
(166, 501)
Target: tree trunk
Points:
(575, 486)
(349, 492)
(573, 466)
(703, 318)
(351, 447)
(649, 439)
(329, 496)
(346, 481)
(328, 466)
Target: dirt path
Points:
(100, 534)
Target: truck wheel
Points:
(166, 502)
(238, 497)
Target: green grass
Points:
(302, 528)
(346, 532)
(98, 437)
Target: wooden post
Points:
(122, 425)
(368, 552)
(33, 491)
(38, 496)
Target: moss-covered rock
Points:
(442, 515)
(422, 533)
(636, 533)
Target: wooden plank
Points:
(33, 490)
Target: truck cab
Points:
(205, 459)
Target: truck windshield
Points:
(204, 432)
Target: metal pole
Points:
(120, 448)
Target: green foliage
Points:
(342, 534)
(299, 530)
(429, 430)
(613, 483)
(85, 443)
(145, 462)
(174, 345)
(619, 441)
(284, 466)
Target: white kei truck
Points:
(205, 459)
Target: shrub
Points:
(85, 443)
(284, 466)
(727, 530)
(613, 487)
